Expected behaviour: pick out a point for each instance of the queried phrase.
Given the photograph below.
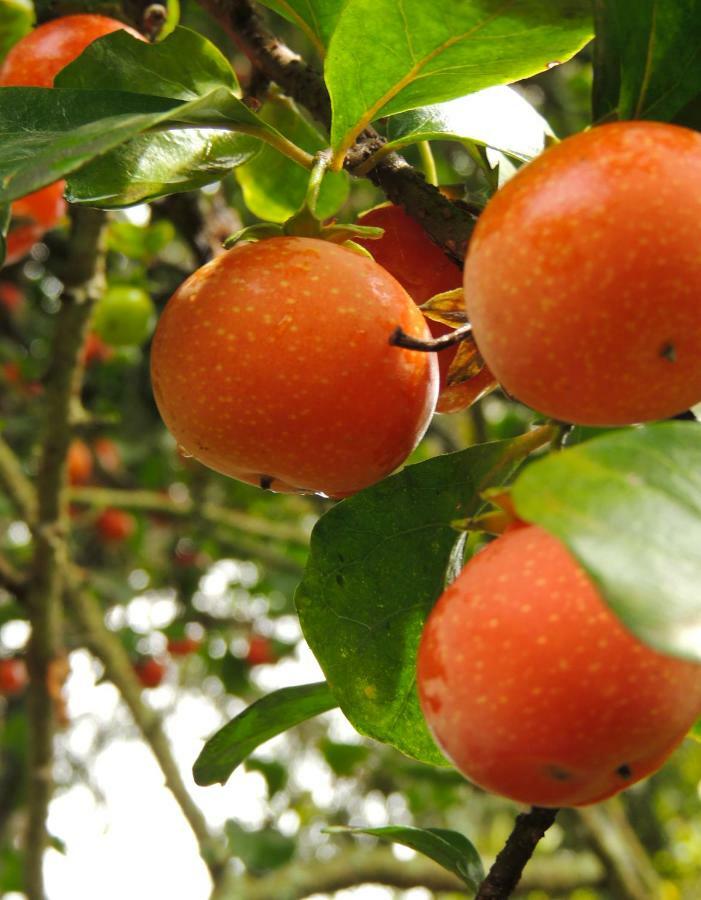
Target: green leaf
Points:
(261, 721)
(155, 165)
(16, 18)
(275, 187)
(431, 52)
(628, 506)
(450, 849)
(184, 66)
(647, 62)
(260, 851)
(377, 565)
(497, 117)
(316, 18)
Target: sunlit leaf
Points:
(432, 52)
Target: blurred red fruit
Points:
(115, 525)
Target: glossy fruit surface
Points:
(34, 61)
(583, 304)
(80, 462)
(13, 677)
(124, 316)
(149, 671)
(532, 686)
(115, 525)
(419, 265)
(272, 364)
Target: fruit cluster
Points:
(587, 311)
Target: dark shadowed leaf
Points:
(263, 720)
(431, 52)
(628, 506)
(647, 58)
(449, 849)
(377, 565)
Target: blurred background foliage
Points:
(198, 576)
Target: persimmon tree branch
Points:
(449, 224)
(46, 661)
(15, 484)
(106, 647)
(506, 871)
(211, 512)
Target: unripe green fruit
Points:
(124, 316)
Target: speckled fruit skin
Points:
(34, 61)
(419, 265)
(583, 276)
(534, 689)
(272, 364)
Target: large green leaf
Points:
(377, 565)
(316, 18)
(154, 165)
(389, 56)
(16, 17)
(450, 849)
(261, 721)
(647, 59)
(497, 117)
(273, 187)
(628, 506)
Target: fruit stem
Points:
(428, 163)
(400, 338)
(511, 860)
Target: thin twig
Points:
(506, 871)
(400, 338)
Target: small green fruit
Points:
(124, 316)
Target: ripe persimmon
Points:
(272, 364)
(583, 276)
(535, 690)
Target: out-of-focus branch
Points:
(15, 483)
(217, 515)
(448, 224)
(506, 871)
(11, 579)
(106, 647)
(610, 833)
(360, 866)
(46, 657)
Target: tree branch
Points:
(45, 656)
(15, 483)
(505, 874)
(448, 224)
(211, 512)
(118, 669)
